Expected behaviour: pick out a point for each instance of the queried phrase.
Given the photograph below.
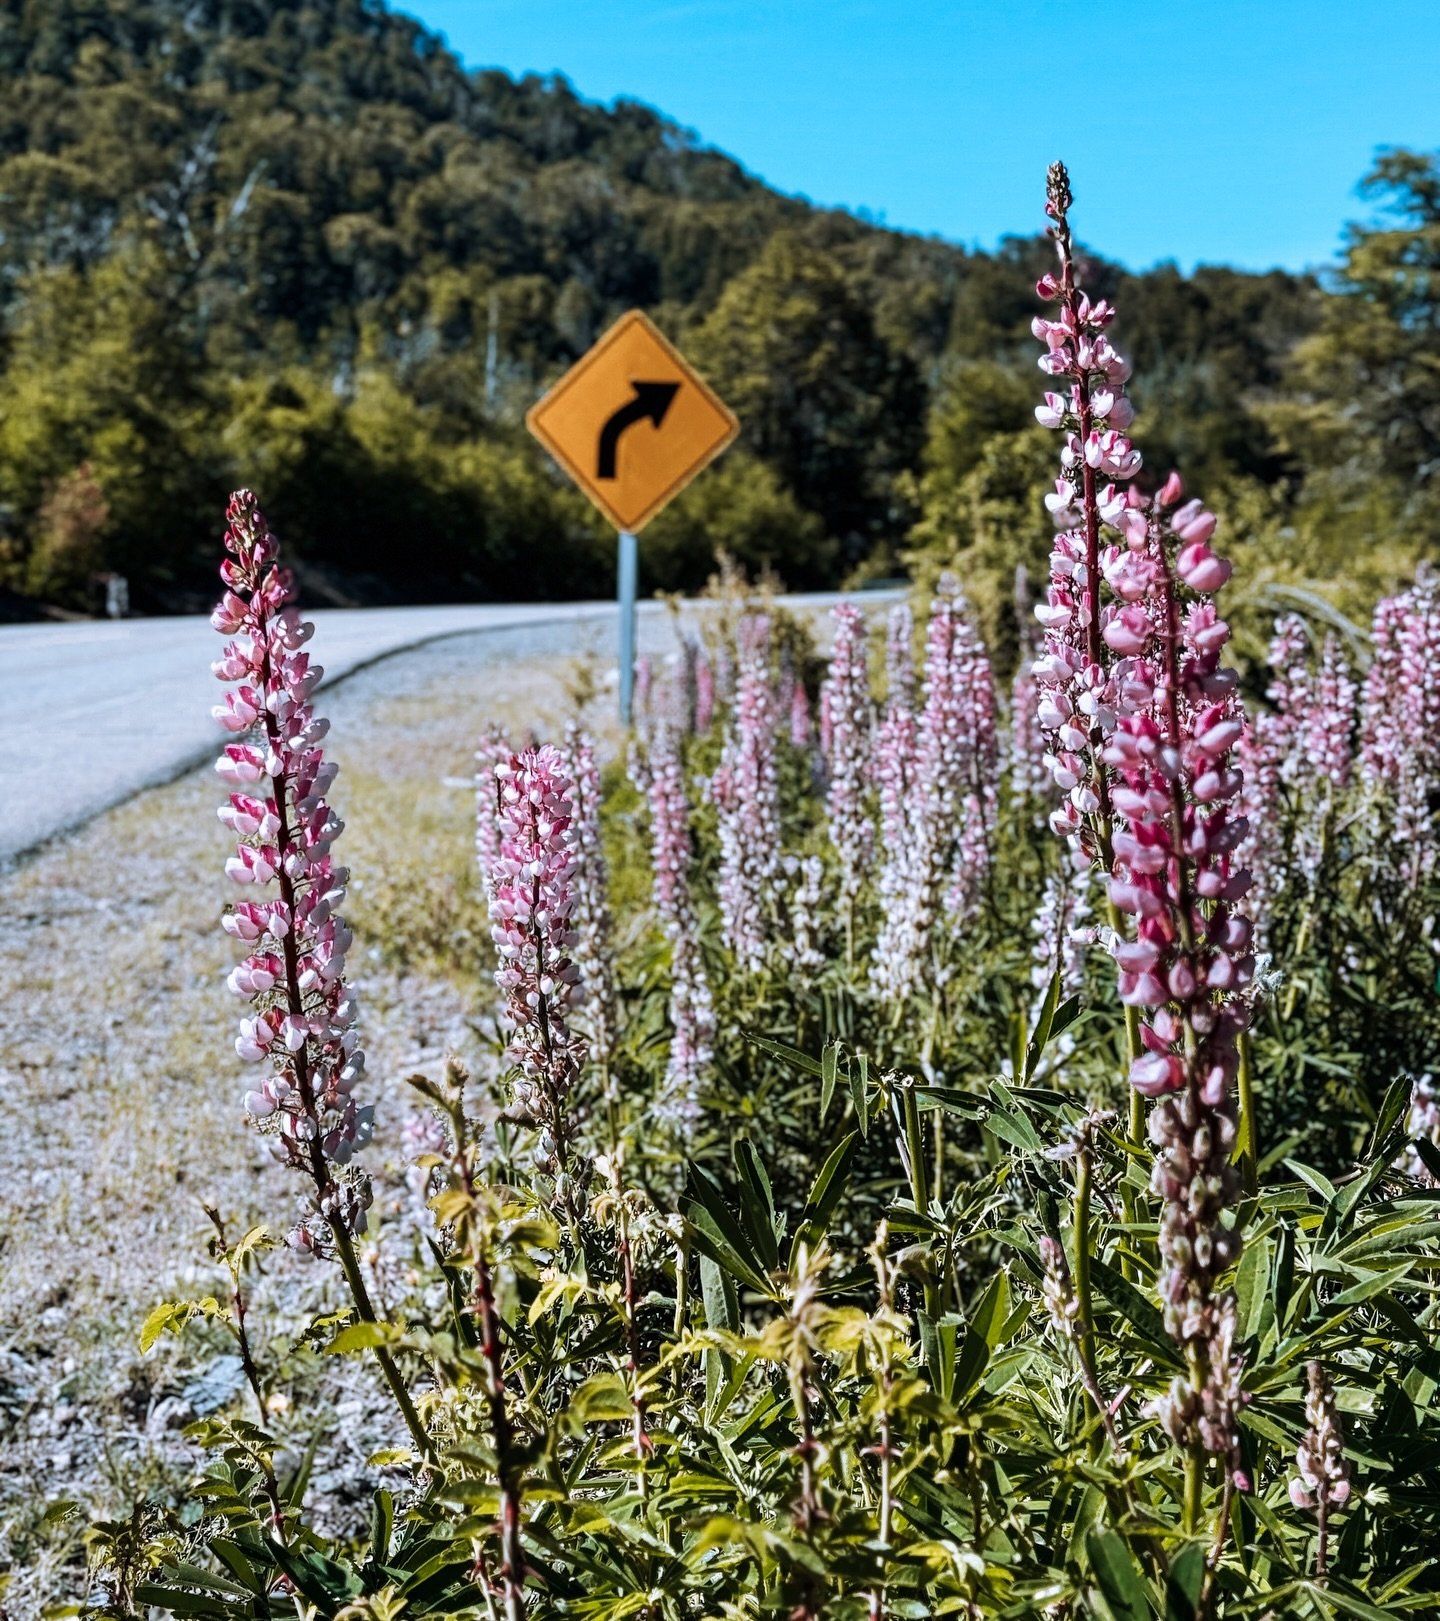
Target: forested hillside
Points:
(295, 244)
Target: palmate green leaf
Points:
(1252, 1287)
(860, 1092)
(1044, 1018)
(1313, 1178)
(982, 1335)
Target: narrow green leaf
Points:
(1118, 1576)
(825, 1194)
(829, 1074)
(788, 1054)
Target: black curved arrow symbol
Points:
(651, 400)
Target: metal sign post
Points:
(626, 570)
(632, 423)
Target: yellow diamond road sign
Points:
(631, 423)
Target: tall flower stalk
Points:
(532, 907)
(1190, 960)
(692, 1013)
(1077, 683)
(851, 719)
(937, 786)
(303, 1024)
(1400, 735)
(594, 946)
(745, 791)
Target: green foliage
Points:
(800, 1363)
(297, 244)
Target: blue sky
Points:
(1227, 132)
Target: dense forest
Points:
(295, 244)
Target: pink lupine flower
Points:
(704, 691)
(899, 659)
(1144, 721)
(846, 697)
(1296, 756)
(1074, 674)
(805, 957)
(745, 791)
(800, 728)
(1322, 1478)
(1400, 729)
(940, 850)
(692, 1016)
(594, 950)
(303, 1025)
(1332, 721)
(494, 750)
(1176, 832)
(532, 902)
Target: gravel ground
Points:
(121, 1089)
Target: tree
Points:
(792, 347)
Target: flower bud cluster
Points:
(1062, 1306)
(303, 1024)
(1032, 781)
(745, 791)
(532, 905)
(1207, 1410)
(851, 720)
(1323, 1475)
(692, 1013)
(1175, 784)
(594, 952)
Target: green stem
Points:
(1249, 1125)
(350, 1265)
(920, 1195)
(1194, 1489)
(1080, 1264)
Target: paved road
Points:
(94, 712)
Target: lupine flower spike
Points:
(848, 708)
(1322, 1481)
(594, 951)
(532, 906)
(303, 1024)
(745, 791)
(692, 1015)
(935, 826)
